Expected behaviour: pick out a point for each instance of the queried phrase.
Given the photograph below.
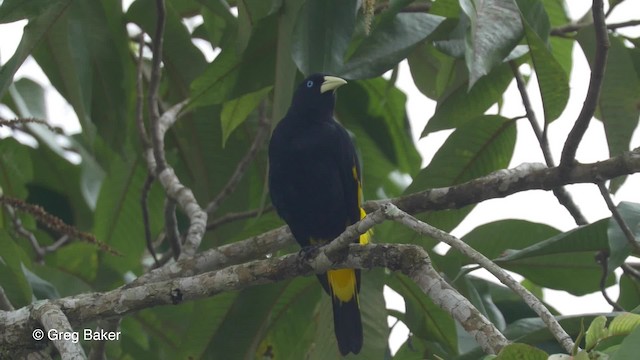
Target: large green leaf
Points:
(236, 111)
(553, 81)
(16, 169)
(378, 108)
(118, 216)
(618, 102)
(374, 322)
(619, 247)
(461, 105)
(85, 58)
(495, 30)
(473, 150)
(423, 317)
(38, 27)
(496, 238)
(565, 261)
(231, 75)
(390, 42)
(433, 71)
(630, 346)
(322, 35)
(12, 278)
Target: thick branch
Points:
(410, 259)
(528, 176)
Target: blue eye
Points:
(309, 83)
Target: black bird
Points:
(314, 182)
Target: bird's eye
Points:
(309, 83)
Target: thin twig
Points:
(593, 93)
(236, 216)
(154, 87)
(54, 223)
(566, 29)
(98, 347)
(561, 193)
(17, 226)
(630, 271)
(144, 195)
(602, 258)
(142, 131)
(171, 227)
(261, 135)
(21, 121)
(628, 234)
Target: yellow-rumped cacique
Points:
(315, 186)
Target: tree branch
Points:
(536, 305)
(564, 30)
(561, 193)
(527, 176)
(593, 93)
(54, 320)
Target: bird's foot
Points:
(308, 252)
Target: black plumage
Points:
(314, 182)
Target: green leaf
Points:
(28, 97)
(389, 43)
(473, 150)
(231, 75)
(618, 102)
(378, 108)
(87, 61)
(322, 35)
(630, 346)
(565, 261)
(118, 216)
(42, 289)
(552, 79)
(33, 32)
(597, 331)
(287, 335)
(496, 238)
(619, 247)
(432, 71)
(235, 112)
(423, 317)
(12, 278)
(182, 60)
(521, 352)
(461, 106)
(495, 31)
(629, 292)
(16, 169)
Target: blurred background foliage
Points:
(227, 58)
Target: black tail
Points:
(347, 325)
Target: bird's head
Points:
(314, 96)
